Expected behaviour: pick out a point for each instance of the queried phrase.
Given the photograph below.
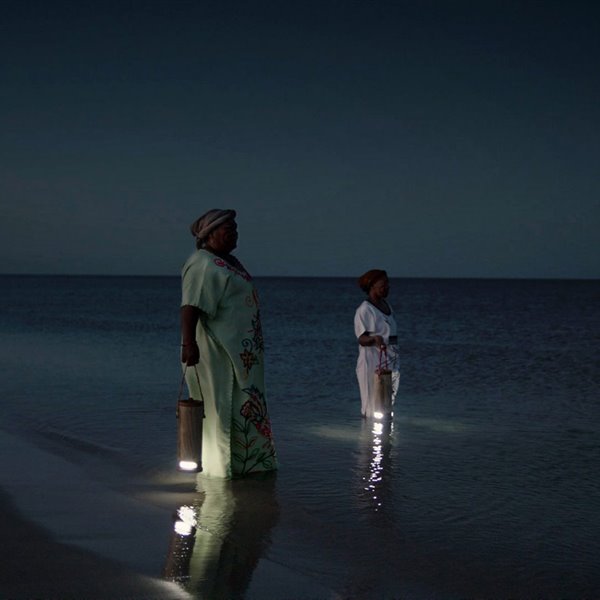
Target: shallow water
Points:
(485, 483)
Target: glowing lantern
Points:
(189, 430)
(189, 435)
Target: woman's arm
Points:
(366, 339)
(190, 354)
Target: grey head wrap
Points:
(209, 221)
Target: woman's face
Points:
(381, 288)
(224, 237)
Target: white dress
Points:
(369, 319)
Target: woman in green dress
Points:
(222, 341)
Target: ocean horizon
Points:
(259, 276)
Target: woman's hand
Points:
(190, 354)
(379, 342)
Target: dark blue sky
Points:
(450, 139)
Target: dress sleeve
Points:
(202, 287)
(364, 320)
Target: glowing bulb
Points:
(188, 465)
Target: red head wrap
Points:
(369, 278)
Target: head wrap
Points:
(366, 281)
(209, 221)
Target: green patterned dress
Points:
(237, 437)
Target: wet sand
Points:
(33, 565)
(66, 535)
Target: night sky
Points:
(431, 139)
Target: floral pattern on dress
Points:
(257, 335)
(249, 359)
(224, 264)
(254, 452)
(252, 346)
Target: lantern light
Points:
(188, 465)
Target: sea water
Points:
(485, 482)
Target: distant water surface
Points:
(486, 483)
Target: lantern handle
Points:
(383, 360)
(181, 387)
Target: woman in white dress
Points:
(375, 329)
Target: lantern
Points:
(189, 435)
(382, 387)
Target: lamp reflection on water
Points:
(186, 522)
(217, 542)
(375, 462)
(182, 543)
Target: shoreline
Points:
(34, 565)
(66, 535)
